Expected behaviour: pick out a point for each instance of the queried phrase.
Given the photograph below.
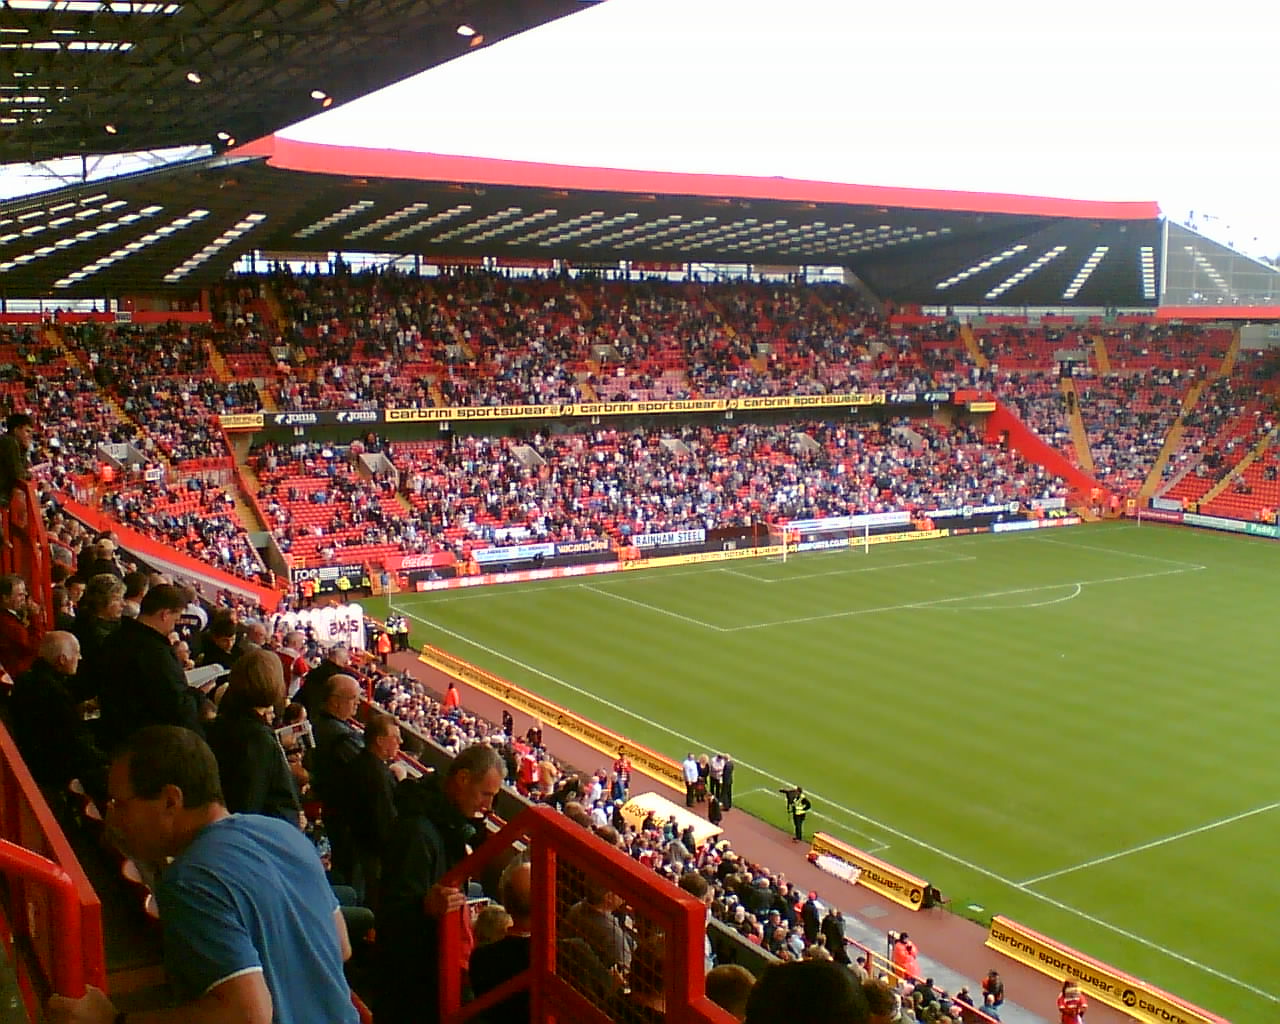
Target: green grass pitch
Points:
(1070, 727)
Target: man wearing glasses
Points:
(252, 932)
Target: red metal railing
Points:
(558, 848)
(51, 907)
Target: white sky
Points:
(1096, 99)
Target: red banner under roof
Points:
(287, 154)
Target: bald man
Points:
(48, 722)
(338, 743)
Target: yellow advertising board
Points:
(587, 409)
(1141, 1001)
(877, 875)
(639, 807)
(597, 737)
(241, 421)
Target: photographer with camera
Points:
(798, 806)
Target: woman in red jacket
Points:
(1071, 1003)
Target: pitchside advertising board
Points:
(1140, 1000)
(326, 577)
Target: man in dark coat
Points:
(726, 784)
(338, 743)
(50, 731)
(142, 682)
(811, 920)
(833, 933)
(311, 693)
(437, 818)
(368, 802)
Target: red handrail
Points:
(68, 957)
(51, 903)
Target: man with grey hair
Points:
(437, 817)
(50, 731)
(311, 694)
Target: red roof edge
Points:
(316, 158)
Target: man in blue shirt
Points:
(252, 932)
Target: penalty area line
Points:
(1153, 844)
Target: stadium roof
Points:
(107, 76)
(182, 227)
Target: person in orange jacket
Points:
(905, 954)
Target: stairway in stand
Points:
(244, 507)
(975, 353)
(1079, 436)
(1258, 450)
(1101, 354)
(272, 311)
(1152, 483)
(1233, 353)
(221, 372)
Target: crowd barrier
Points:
(50, 905)
(879, 876)
(567, 862)
(595, 736)
(1143, 1002)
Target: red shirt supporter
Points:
(1072, 1003)
(20, 627)
(526, 772)
(904, 957)
(294, 664)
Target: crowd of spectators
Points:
(1127, 418)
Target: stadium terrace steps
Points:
(1079, 436)
(1171, 442)
(1233, 353)
(244, 508)
(267, 393)
(1101, 354)
(270, 307)
(980, 360)
(1238, 469)
(587, 388)
(437, 396)
(221, 372)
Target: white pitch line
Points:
(857, 816)
(874, 845)
(951, 600)
(1019, 607)
(1153, 844)
(651, 607)
(850, 572)
(1113, 551)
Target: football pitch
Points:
(1074, 728)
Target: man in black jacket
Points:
(311, 694)
(338, 742)
(48, 727)
(141, 680)
(368, 802)
(437, 819)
